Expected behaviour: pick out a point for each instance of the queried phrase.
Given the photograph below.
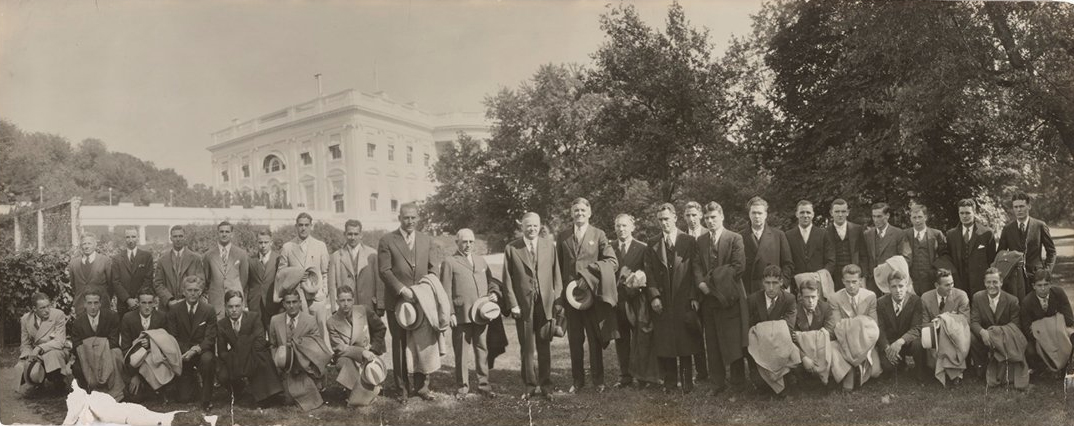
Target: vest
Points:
(842, 251)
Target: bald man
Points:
(466, 278)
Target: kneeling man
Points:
(135, 322)
(856, 331)
(299, 351)
(998, 343)
(945, 332)
(43, 352)
(95, 338)
(1048, 324)
(357, 336)
(900, 319)
(193, 324)
(772, 312)
(243, 350)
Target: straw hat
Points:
(484, 311)
(374, 373)
(37, 372)
(283, 357)
(409, 315)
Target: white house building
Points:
(352, 154)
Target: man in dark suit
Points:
(772, 302)
(882, 241)
(89, 271)
(764, 246)
(404, 256)
(579, 248)
(1045, 301)
(466, 278)
(1031, 237)
(631, 255)
(812, 313)
(899, 316)
(926, 245)
(132, 270)
(262, 283)
(723, 304)
(146, 317)
(244, 352)
(810, 250)
(173, 267)
(94, 321)
(990, 307)
(692, 215)
(972, 249)
(355, 265)
(192, 322)
(531, 276)
(846, 239)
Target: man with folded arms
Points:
(466, 279)
(357, 336)
(1040, 313)
(297, 332)
(146, 317)
(95, 343)
(244, 353)
(996, 333)
(192, 322)
(900, 317)
(43, 341)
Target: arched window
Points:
(273, 164)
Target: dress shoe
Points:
(956, 382)
(487, 393)
(426, 395)
(462, 392)
(574, 389)
(601, 388)
(623, 384)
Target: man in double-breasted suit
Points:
(90, 270)
(846, 240)
(971, 247)
(355, 266)
(899, 315)
(724, 311)
(990, 307)
(676, 329)
(926, 245)
(192, 322)
(43, 338)
(579, 248)
(173, 267)
(632, 301)
(764, 246)
(132, 270)
(882, 241)
(531, 277)
(1031, 237)
(466, 278)
(404, 256)
(261, 285)
(810, 250)
(244, 352)
(227, 267)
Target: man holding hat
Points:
(146, 317)
(299, 351)
(946, 299)
(357, 336)
(473, 304)
(634, 348)
(42, 353)
(311, 254)
(531, 276)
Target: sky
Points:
(155, 79)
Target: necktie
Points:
(130, 256)
(410, 241)
(145, 323)
(93, 323)
(178, 258)
(235, 324)
(854, 305)
(85, 260)
(291, 323)
(190, 309)
(1044, 304)
(622, 247)
(992, 302)
(921, 236)
(771, 303)
(898, 308)
(966, 235)
(1022, 228)
(37, 320)
(943, 302)
(224, 257)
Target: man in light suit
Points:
(846, 239)
(764, 246)
(810, 250)
(355, 266)
(90, 270)
(692, 215)
(192, 322)
(582, 247)
(882, 241)
(357, 336)
(972, 249)
(466, 278)
(631, 255)
(262, 279)
(531, 276)
(1031, 237)
(43, 339)
(307, 251)
(926, 245)
(945, 298)
(725, 327)
(173, 267)
(132, 270)
(853, 300)
(227, 267)
(989, 307)
(404, 256)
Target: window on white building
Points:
(245, 170)
(395, 206)
(335, 152)
(370, 150)
(426, 160)
(410, 155)
(309, 195)
(307, 159)
(391, 152)
(373, 202)
(273, 164)
(337, 196)
(223, 175)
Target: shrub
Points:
(26, 272)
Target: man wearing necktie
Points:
(131, 325)
(971, 248)
(764, 245)
(1045, 301)
(466, 279)
(90, 270)
(43, 338)
(899, 315)
(192, 321)
(173, 267)
(580, 248)
(132, 270)
(244, 354)
(355, 265)
(853, 300)
(262, 278)
(299, 332)
(882, 241)
(943, 299)
(1031, 237)
(227, 268)
(95, 321)
(926, 245)
(991, 307)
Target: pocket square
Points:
(980, 246)
(202, 323)
(591, 242)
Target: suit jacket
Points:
(632, 260)
(97, 274)
(971, 260)
(340, 333)
(401, 267)
(261, 284)
(576, 256)
(935, 246)
(166, 282)
(359, 273)
(128, 278)
(731, 323)
(812, 255)
(1030, 309)
(676, 330)
(844, 309)
(220, 277)
(878, 250)
(524, 276)
(784, 308)
(464, 283)
(188, 331)
(855, 238)
(772, 249)
(903, 326)
(823, 317)
(314, 256)
(130, 326)
(982, 317)
(50, 335)
(1038, 247)
(246, 354)
(957, 302)
(107, 327)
